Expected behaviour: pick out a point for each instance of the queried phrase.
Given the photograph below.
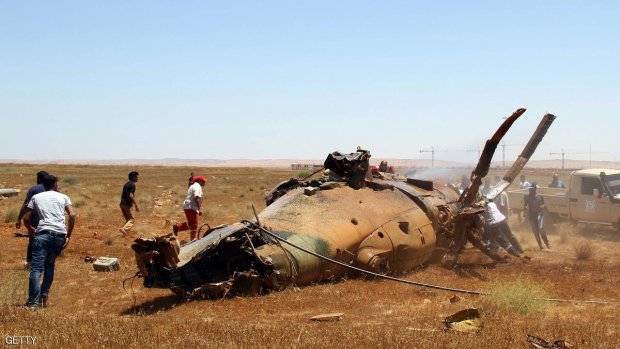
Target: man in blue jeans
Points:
(34, 219)
(50, 238)
(534, 205)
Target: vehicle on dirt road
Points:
(592, 196)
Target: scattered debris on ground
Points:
(106, 264)
(539, 343)
(328, 317)
(466, 320)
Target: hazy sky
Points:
(298, 79)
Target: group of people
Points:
(191, 206)
(497, 233)
(43, 215)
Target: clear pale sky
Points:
(299, 79)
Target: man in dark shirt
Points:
(128, 200)
(534, 205)
(34, 217)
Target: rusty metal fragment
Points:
(466, 320)
(539, 343)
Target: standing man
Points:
(534, 204)
(34, 218)
(465, 183)
(523, 184)
(502, 200)
(191, 206)
(128, 200)
(556, 182)
(50, 238)
(486, 187)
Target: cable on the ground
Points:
(410, 282)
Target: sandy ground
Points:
(92, 309)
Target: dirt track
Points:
(92, 309)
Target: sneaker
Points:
(27, 266)
(175, 229)
(122, 231)
(29, 306)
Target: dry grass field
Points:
(90, 309)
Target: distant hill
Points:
(286, 163)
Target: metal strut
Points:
(409, 282)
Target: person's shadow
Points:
(469, 270)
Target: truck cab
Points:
(594, 196)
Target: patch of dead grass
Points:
(584, 250)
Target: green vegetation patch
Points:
(10, 216)
(70, 180)
(521, 295)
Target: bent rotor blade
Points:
(469, 195)
(527, 152)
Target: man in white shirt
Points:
(497, 232)
(50, 238)
(524, 184)
(502, 200)
(191, 207)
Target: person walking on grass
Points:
(128, 200)
(50, 237)
(34, 218)
(191, 207)
(534, 205)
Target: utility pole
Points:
(504, 145)
(432, 151)
(477, 150)
(596, 152)
(562, 153)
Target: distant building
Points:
(305, 166)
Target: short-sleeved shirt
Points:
(533, 204)
(524, 185)
(502, 203)
(557, 184)
(128, 188)
(194, 191)
(34, 190)
(492, 215)
(50, 206)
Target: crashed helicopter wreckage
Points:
(320, 229)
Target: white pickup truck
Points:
(592, 196)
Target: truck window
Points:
(613, 182)
(588, 184)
